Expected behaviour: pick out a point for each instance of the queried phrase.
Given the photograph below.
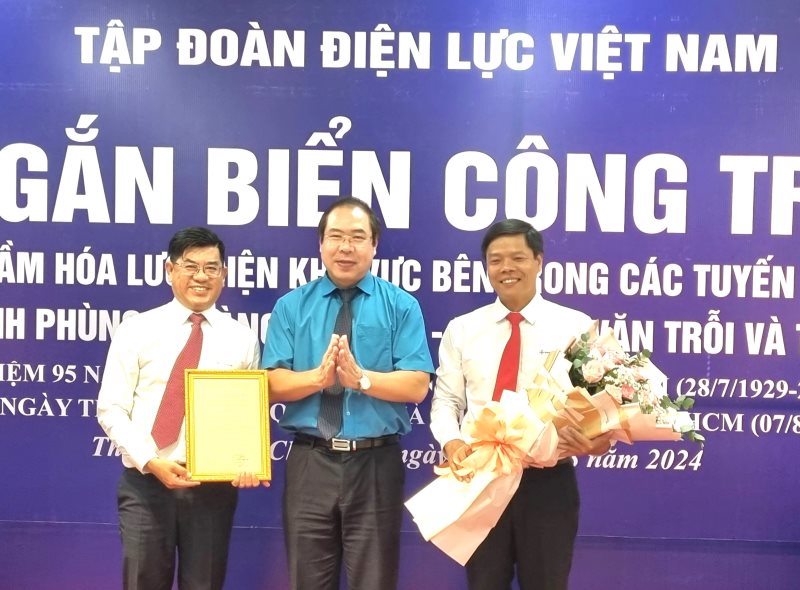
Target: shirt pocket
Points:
(372, 347)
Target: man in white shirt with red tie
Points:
(536, 533)
(140, 406)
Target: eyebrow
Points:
(341, 231)
(491, 255)
(203, 263)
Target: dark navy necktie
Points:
(330, 410)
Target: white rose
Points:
(682, 421)
(593, 371)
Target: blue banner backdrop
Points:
(655, 146)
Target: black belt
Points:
(559, 463)
(345, 445)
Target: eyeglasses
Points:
(212, 270)
(356, 241)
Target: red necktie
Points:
(509, 362)
(167, 425)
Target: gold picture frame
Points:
(227, 424)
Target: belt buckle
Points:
(341, 444)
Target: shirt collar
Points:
(530, 312)
(366, 285)
(181, 314)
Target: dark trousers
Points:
(343, 507)
(536, 533)
(155, 522)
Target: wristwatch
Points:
(363, 382)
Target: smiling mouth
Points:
(509, 281)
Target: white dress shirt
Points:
(140, 360)
(470, 351)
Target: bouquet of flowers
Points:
(456, 513)
(599, 365)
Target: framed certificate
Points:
(227, 424)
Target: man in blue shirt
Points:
(346, 398)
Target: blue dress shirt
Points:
(388, 335)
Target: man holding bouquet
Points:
(499, 347)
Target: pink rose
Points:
(627, 392)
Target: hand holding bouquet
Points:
(458, 509)
(594, 388)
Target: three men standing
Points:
(345, 353)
